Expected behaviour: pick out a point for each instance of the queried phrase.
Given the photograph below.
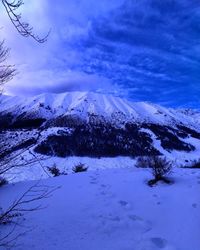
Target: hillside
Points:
(88, 124)
(96, 125)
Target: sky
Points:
(142, 50)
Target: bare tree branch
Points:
(23, 204)
(22, 27)
(7, 72)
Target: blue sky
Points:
(143, 50)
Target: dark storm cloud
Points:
(139, 49)
(151, 43)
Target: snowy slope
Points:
(111, 210)
(86, 103)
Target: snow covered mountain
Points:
(90, 124)
(85, 104)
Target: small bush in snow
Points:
(160, 167)
(80, 168)
(54, 170)
(3, 181)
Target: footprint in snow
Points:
(115, 218)
(103, 193)
(93, 182)
(135, 217)
(194, 205)
(124, 204)
(159, 242)
(108, 222)
(145, 225)
(104, 187)
(93, 178)
(155, 243)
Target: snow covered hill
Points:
(111, 209)
(90, 124)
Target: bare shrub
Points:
(160, 168)
(80, 168)
(54, 170)
(3, 181)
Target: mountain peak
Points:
(83, 104)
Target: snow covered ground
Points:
(38, 169)
(113, 209)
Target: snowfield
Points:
(112, 209)
(25, 170)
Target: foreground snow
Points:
(113, 209)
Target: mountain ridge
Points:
(49, 106)
(90, 124)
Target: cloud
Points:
(141, 50)
(52, 66)
(57, 82)
(151, 44)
